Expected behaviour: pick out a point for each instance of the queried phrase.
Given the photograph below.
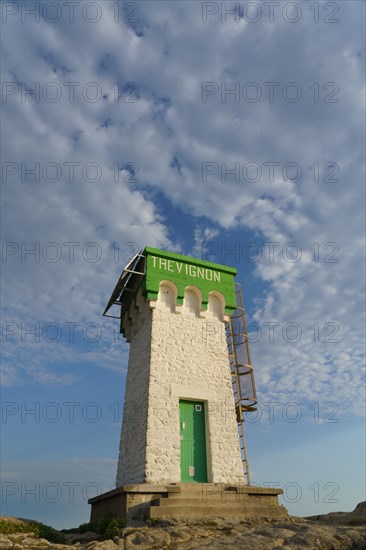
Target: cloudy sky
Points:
(232, 132)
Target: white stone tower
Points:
(182, 449)
(179, 418)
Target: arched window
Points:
(216, 305)
(167, 297)
(192, 300)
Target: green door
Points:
(193, 464)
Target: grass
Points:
(108, 526)
(39, 529)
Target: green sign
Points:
(186, 271)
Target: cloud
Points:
(157, 133)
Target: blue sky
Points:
(234, 136)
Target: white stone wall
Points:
(178, 352)
(132, 452)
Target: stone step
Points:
(204, 496)
(197, 487)
(194, 511)
(194, 498)
(201, 492)
(214, 503)
(215, 488)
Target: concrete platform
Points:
(188, 500)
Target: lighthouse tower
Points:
(179, 420)
(187, 387)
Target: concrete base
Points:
(188, 500)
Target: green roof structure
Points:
(150, 267)
(187, 271)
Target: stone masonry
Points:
(177, 352)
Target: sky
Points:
(229, 131)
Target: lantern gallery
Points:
(182, 268)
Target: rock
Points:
(356, 517)
(334, 531)
(5, 542)
(179, 535)
(147, 538)
(101, 545)
(361, 508)
(72, 538)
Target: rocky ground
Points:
(337, 530)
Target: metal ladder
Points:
(241, 372)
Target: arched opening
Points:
(167, 297)
(192, 300)
(216, 305)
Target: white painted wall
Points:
(177, 352)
